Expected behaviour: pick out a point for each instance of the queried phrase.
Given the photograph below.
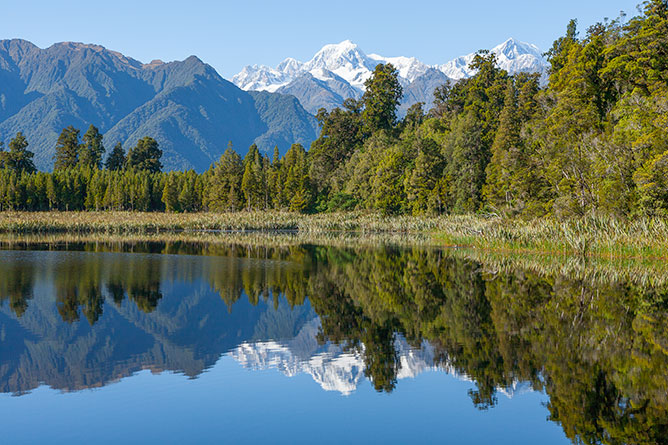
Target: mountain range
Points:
(338, 71)
(189, 108)
(185, 105)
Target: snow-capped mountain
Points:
(512, 56)
(335, 369)
(339, 71)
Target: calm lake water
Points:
(317, 344)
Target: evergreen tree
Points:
(381, 98)
(296, 189)
(342, 133)
(67, 149)
(506, 148)
(116, 159)
(224, 190)
(145, 155)
(252, 181)
(170, 194)
(18, 158)
(424, 185)
(92, 150)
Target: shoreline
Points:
(642, 239)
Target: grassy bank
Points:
(142, 223)
(590, 237)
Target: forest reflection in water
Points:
(598, 349)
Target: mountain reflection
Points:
(78, 319)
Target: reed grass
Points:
(138, 223)
(587, 237)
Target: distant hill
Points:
(186, 105)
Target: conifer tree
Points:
(116, 160)
(145, 155)
(422, 185)
(170, 194)
(506, 148)
(18, 158)
(224, 190)
(67, 149)
(381, 98)
(296, 190)
(252, 181)
(91, 150)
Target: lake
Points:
(152, 342)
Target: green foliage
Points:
(18, 158)
(253, 181)
(145, 156)
(67, 149)
(92, 150)
(223, 192)
(381, 98)
(652, 182)
(117, 159)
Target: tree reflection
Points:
(16, 286)
(598, 349)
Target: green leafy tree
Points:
(170, 194)
(253, 185)
(425, 191)
(297, 188)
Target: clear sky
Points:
(229, 35)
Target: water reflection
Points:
(75, 320)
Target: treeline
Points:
(594, 140)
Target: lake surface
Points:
(190, 343)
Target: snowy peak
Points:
(512, 55)
(290, 66)
(347, 61)
(409, 68)
(341, 70)
(344, 59)
(513, 49)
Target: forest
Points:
(590, 140)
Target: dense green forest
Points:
(593, 140)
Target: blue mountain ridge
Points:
(185, 105)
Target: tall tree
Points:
(297, 188)
(18, 158)
(253, 180)
(67, 149)
(116, 160)
(224, 189)
(145, 155)
(92, 150)
(381, 98)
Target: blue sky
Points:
(230, 35)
